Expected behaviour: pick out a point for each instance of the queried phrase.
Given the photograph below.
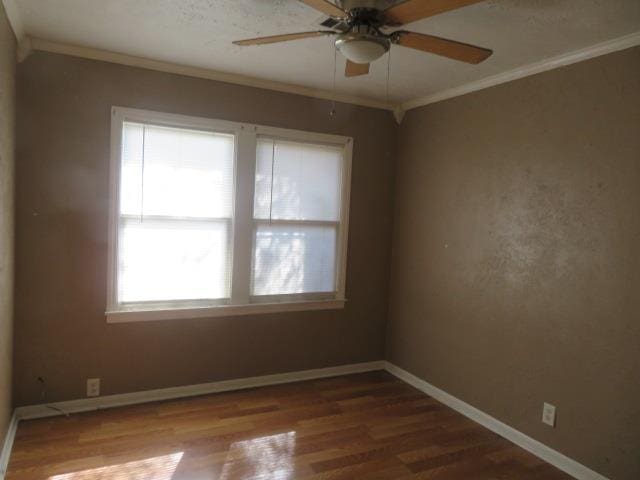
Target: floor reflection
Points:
(156, 468)
(264, 458)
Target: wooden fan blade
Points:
(443, 47)
(283, 38)
(326, 7)
(355, 69)
(413, 10)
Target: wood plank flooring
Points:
(369, 426)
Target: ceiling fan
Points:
(359, 29)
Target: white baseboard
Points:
(110, 401)
(555, 458)
(540, 450)
(5, 453)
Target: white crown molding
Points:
(398, 114)
(122, 59)
(5, 453)
(593, 51)
(110, 401)
(26, 45)
(540, 450)
(15, 20)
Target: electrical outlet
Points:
(549, 414)
(93, 387)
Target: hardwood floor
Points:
(368, 426)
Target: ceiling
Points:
(198, 33)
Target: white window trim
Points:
(240, 303)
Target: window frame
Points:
(243, 224)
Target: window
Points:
(175, 217)
(296, 216)
(216, 218)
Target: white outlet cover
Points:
(549, 414)
(93, 387)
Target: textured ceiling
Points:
(199, 33)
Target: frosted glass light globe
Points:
(361, 48)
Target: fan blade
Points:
(443, 47)
(353, 69)
(413, 10)
(326, 7)
(283, 38)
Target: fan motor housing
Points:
(377, 4)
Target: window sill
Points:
(127, 316)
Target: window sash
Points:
(172, 220)
(320, 295)
(242, 225)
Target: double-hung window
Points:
(214, 218)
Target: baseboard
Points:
(555, 458)
(5, 453)
(564, 463)
(110, 401)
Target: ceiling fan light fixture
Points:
(360, 48)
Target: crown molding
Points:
(15, 20)
(122, 59)
(398, 113)
(26, 45)
(593, 51)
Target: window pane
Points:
(306, 181)
(163, 260)
(294, 259)
(176, 172)
(171, 180)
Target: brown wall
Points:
(7, 115)
(61, 232)
(515, 261)
(516, 255)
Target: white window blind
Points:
(214, 218)
(175, 218)
(297, 210)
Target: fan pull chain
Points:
(388, 72)
(332, 112)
